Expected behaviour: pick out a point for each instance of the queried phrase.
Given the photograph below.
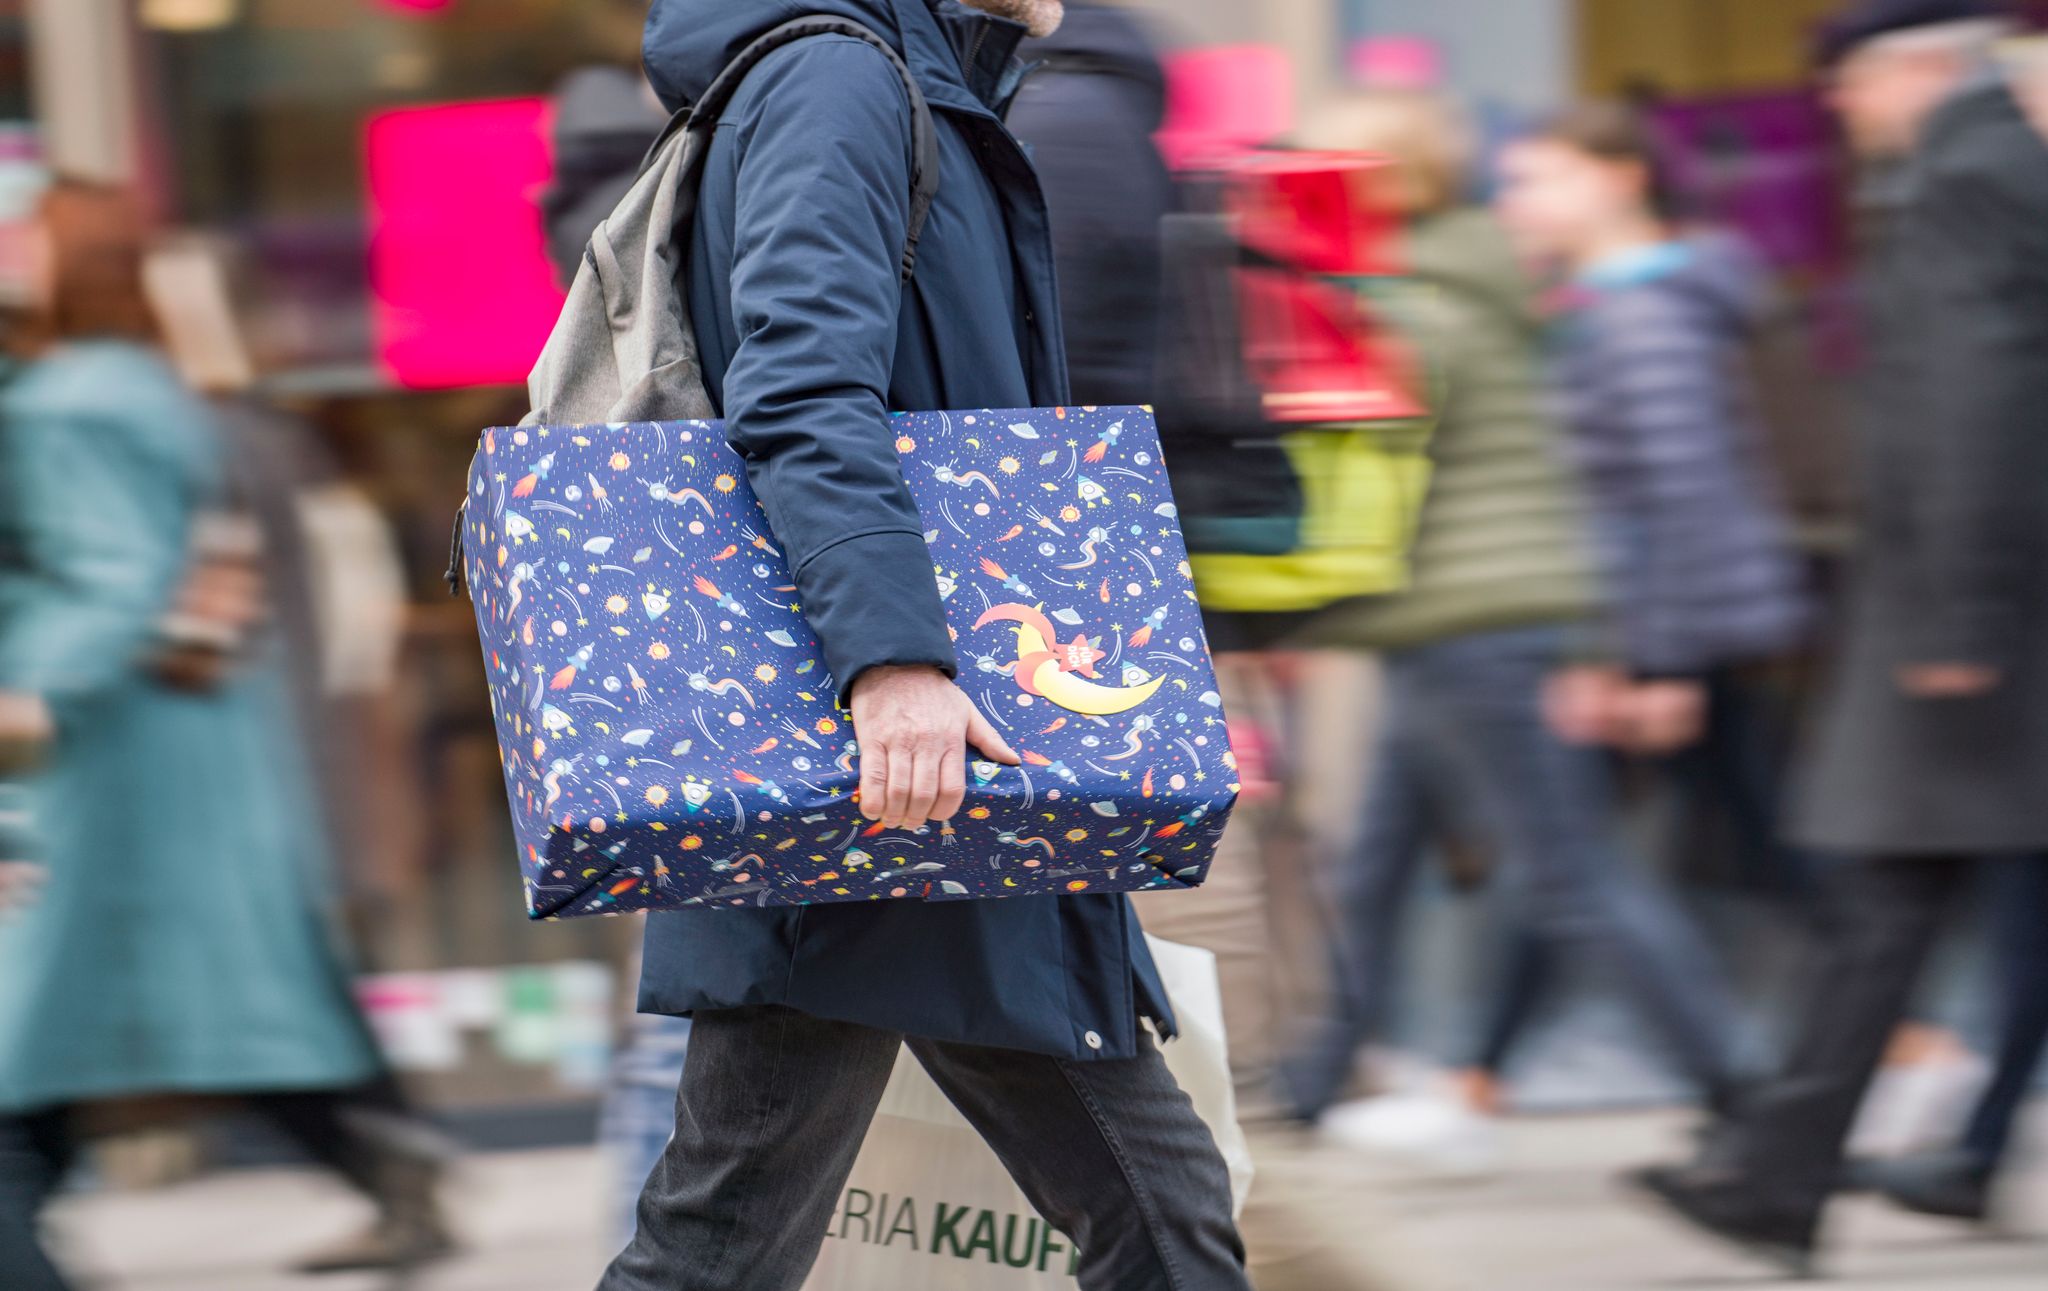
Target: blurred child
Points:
(1501, 596)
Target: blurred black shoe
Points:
(1947, 1184)
(410, 1230)
(1724, 1203)
(389, 1244)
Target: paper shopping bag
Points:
(929, 1207)
(670, 738)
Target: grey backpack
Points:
(624, 348)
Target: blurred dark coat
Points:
(1088, 114)
(1652, 366)
(1952, 564)
(604, 122)
(809, 338)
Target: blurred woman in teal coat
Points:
(178, 941)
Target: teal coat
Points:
(181, 942)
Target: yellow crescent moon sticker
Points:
(1077, 694)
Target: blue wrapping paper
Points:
(669, 734)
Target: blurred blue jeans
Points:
(2020, 894)
(639, 1112)
(1464, 726)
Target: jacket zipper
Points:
(980, 39)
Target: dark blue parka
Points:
(809, 338)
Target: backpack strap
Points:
(701, 118)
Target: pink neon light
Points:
(461, 289)
(1396, 62)
(417, 6)
(1224, 99)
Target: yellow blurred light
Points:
(188, 15)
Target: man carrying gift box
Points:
(1026, 1012)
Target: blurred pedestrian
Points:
(1934, 734)
(1652, 332)
(1499, 606)
(1029, 1013)
(180, 942)
(1089, 113)
(604, 116)
(1649, 357)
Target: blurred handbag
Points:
(671, 739)
(1317, 492)
(929, 1207)
(220, 603)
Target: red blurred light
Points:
(417, 6)
(462, 291)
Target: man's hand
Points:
(1584, 704)
(26, 729)
(1948, 680)
(19, 883)
(1665, 716)
(914, 727)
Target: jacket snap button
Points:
(1093, 1040)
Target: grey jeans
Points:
(773, 1107)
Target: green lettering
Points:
(906, 1222)
(946, 1228)
(1074, 1263)
(1010, 1256)
(983, 1237)
(1048, 1242)
(849, 1214)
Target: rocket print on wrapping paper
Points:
(669, 733)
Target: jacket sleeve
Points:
(95, 569)
(821, 213)
(1975, 489)
(1667, 382)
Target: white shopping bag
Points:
(930, 1208)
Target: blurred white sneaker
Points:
(1425, 1133)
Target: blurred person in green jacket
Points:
(1501, 608)
(171, 937)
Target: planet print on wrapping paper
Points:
(668, 727)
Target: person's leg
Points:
(2021, 886)
(1528, 966)
(770, 1116)
(1112, 1154)
(36, 1151)
(317, 1121)
(1549, 806)
(1372, 893)
(370, 1136)
(1888, 913)
(1763, 1181)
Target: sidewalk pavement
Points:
(1553, 1220)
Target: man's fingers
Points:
(896, 793)
(924, 788)
(982, 735)
(952, 783)
(874, 778)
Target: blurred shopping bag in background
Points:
(930, 1208)
(669, 732)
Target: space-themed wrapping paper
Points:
(671, 738)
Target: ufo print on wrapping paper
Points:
(669, 731)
